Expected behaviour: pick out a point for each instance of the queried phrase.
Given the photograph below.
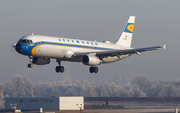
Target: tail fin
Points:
(126, 36)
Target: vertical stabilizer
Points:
(126, 36)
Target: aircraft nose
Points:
(18, 47)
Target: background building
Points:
(47, 103)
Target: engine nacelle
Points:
(40, 61)
(90, 60)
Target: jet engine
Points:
(40, 61)
(90, 60)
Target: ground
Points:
(105, 111)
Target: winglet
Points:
(164, 46)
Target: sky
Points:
(156, 24)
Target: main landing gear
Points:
(93, 69)
(59, 68)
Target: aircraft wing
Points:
(121, 52)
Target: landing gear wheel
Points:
(95, 69)
(30, 65)
(57, 69)
(61, 69)
(91, 70)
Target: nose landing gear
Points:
(30, 65)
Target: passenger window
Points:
(96, 44)
(72, 41)
(64, 40)
(87, 42)
(91, 43)
(83, 42)
(59, 39)
(77, 41)
(68, 40)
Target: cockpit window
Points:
(26, 41)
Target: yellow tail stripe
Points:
(33, 52)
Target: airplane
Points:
(40, 49)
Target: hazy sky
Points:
(157, 23)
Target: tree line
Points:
(141, 86)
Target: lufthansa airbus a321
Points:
(40, 49)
